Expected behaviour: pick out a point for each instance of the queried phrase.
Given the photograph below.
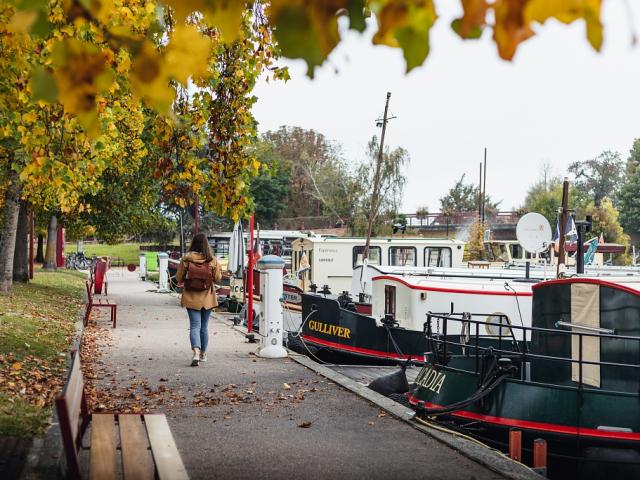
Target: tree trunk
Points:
(50, 254)
(8, 233)
(40, 251)
(21, 253)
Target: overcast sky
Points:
(557, 102)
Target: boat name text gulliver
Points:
(327, 329)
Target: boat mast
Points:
(563, 222)
(376, 180)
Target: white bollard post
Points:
(163, 268)
(271, 326)
(142, 259)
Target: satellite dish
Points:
(533, 232)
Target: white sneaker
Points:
(196, 357)
(203, 357)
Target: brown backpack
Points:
(199, 276)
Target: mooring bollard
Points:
(143, 267)
(540, 456)
(515, 445)
(271, 324)
(163, 268)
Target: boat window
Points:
(390, 300)
(402, 256)
(516, 251)
(220, 248)
(437, 257)
(375, 253)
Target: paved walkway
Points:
(239, 416)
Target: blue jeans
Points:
(199, 328)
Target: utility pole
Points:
(480, 194)
(376, 178)
(564, 213)
(484, 187)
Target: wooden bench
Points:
(99, 302)
(141, 446)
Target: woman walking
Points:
(200, 271)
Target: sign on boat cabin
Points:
(331, 260)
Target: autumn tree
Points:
(465, 197)
(633, 160)
(598, 177)
(270, 189)
(629, 195)
(309, 155)
(545, 197)
(391, 186)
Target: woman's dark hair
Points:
(200, 244)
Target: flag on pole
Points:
(570, 231)
(257, 247)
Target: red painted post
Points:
(248, 292)
(540, 455)
(32, 230)
(60, 247)
(515, 445)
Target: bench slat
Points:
(103, 464)
(73, 395)
(165, 453)
(136, 458)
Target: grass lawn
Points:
(128, 252)
(36, 329)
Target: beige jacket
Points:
(198, 299)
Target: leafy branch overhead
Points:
(73, 69)
(303, 29)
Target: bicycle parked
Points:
(78, 261)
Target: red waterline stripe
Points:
(595, 281)
(453, 290)
(526, 424)
(349, 348)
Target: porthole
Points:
(494, 324)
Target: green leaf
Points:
(356, 15)
(414, 44)
(41, 27)
(474, 34)
(296, 36)
(43, 86)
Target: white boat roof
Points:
(541, 274)
(265, 234)
(382, 240)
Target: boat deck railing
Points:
(469, 342)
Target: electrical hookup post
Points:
(271, 321)
(143, 267)
(163, 269)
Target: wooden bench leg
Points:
(114, 312)
(87, 314)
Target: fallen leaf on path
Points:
(305, 425)
(286, 386)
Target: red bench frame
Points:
(105, 303)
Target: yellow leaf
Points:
(187, 54)
(225, 15)
(29, 117)
(511, 27)
(22, 21)
(567, 11)
(16, 366)
(150, 79)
